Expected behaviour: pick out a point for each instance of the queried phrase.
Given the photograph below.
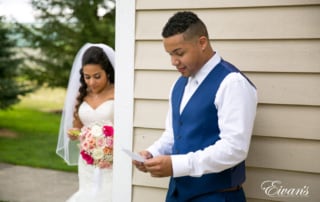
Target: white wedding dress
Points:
(95, 185)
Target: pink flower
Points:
(108, 131)
(101, 142)
(91, 142)
(86, 157)
(110, 142)
(105, 164)
(85, 146)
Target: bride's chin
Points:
(95, 91)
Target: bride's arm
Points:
(74, 132)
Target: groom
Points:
(209, 123)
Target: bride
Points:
(89, 100)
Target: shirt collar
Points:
(206, 68)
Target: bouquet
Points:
(96, 145)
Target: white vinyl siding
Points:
(277, 44)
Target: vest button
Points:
(181, 123)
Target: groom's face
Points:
(186, 55)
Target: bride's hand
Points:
(74, 133)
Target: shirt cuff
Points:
(153, 151)
(180, 165)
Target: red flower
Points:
(108, 131)
(86, 157)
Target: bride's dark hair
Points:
(93, 55)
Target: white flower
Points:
(96, 131)
(97, 153)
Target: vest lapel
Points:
(177, 98)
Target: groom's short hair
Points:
(185, 22)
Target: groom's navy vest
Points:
(197, 128)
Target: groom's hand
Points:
(160, 166)
(140, 165)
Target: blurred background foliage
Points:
(41, 53)
(11, 87)
(62, 27)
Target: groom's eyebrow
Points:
(174, 51)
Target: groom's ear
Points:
(203, 42)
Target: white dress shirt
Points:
(236, 102)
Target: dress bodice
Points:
(89, 115)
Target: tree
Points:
(11, 86)
(62, 27)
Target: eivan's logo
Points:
(274, 188)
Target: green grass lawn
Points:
(29, 131)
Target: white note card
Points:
(133, 155)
